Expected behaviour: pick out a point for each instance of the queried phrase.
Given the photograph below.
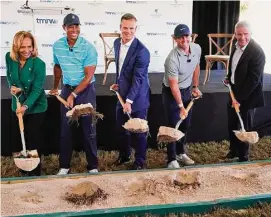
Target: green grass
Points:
(202, 153)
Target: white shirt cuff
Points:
(129, 101)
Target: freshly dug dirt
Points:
(135, 189)
(136, 125)
(168, 135)
(85, 193)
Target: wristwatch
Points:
(195, 87)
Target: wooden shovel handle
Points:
(236, 107)
(64, 102)
(120, 99)
(188, 108)
(20, 117)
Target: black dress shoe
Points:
(231, 155)
(243, 159)
(122, 160)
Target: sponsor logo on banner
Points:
(24, 11)
(155, 53)
(95, 3)
(156, 33)
(136, 2)
(156, 13)
(3, 67)
(172, 23)
(176, 3)
(47, 21)
(7, 22)
(47, 45)
(95, 23)
(50, 1)
(114, 13)
(5, 2)
(7, 44)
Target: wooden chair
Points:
(193, 37)
(109, 56)
(222, 52)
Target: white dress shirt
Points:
(235, 59)
(122, 55)
(123, 52)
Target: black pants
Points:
(241, 149)
(32, 132)
(172, 112)
(88, 95)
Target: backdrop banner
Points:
(156, 23)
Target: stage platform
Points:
(209, 119)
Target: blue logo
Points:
(95, 23)
(46, 21)
(3, 67)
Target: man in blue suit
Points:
(132, 61)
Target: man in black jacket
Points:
(246, 79)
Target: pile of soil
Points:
(85, 193)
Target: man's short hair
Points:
(128, 16)
(243, 24)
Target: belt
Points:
(70, 87)
(181, 89)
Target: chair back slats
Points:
(108, 48)
(213, 40)
(108, 43)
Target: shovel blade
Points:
(249, 137)
(27, 164)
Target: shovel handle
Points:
(236, 107)
(64, 102)
(188, 108)
(20, 117)
(120, 99)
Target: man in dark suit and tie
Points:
(132, 62)
(246, 79)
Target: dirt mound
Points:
(85, 193)
(32, 197)
(158, 187)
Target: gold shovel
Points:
(249, 137)
(27, 160)
(134, 125)
(168, 134)
(79, 110)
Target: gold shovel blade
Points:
(249, 137)
(27, 164)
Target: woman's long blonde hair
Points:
(17, 42)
